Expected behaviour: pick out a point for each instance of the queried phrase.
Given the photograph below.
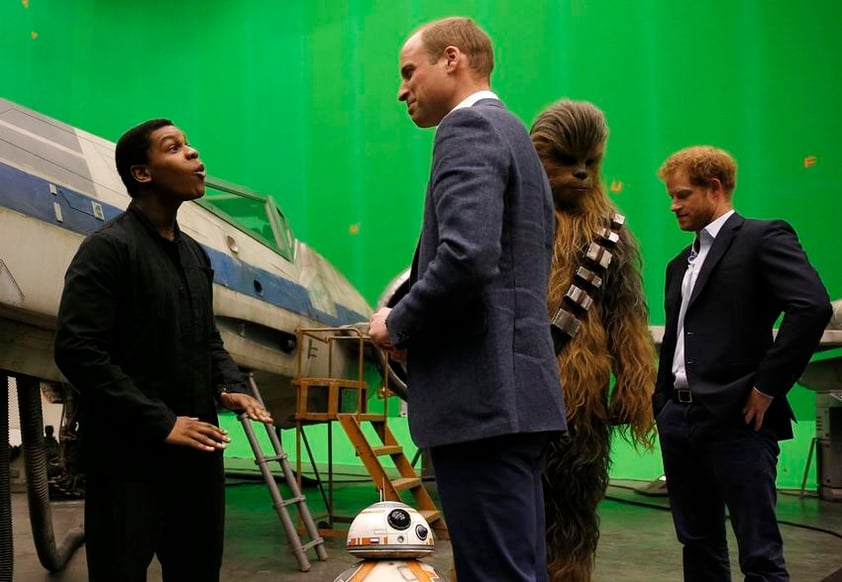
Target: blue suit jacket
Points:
(475, 322)
(755, 271)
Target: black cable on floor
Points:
(637, 503)
(811, 527)
(667, 508)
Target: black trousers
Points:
(493, 499)
(177, 514)
(710, 464)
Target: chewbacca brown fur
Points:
(614, 338)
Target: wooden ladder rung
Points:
(430, 515)
(370, 416)
(387, 450)
(405, 483)
(312, 381)
(316, 416)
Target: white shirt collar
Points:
(708, 234)
(714, 227)
(474, 97)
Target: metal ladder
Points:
(279, 503)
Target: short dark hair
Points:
(132, 149)
(464, 34)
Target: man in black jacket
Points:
(720, 398)
(136, 337)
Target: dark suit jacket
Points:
(755, 271)
(475, 322)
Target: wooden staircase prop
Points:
(352, 414)
(391, 489)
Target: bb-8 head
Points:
(390, 529)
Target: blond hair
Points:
(464, 34)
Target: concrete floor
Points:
(637, 542)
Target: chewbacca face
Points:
(570, 139)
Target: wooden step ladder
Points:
(332, 389)
(408, 480)
(280, 504)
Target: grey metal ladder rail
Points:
(279, 503)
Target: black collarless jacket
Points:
(136, 337)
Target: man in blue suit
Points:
(484, 391)
(720, 398)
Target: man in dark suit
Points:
(720, 399)
(483, 383)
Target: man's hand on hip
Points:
(755, 407)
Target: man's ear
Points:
(452, 54)
(718, 191)
(140, 172)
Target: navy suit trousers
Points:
(493, 499)
(711, 465)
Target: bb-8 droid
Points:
(390, 537)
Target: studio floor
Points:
(637, 541)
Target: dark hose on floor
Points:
(35, 457)
(7, 553)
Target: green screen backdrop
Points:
(297, 99)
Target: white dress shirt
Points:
(705, 238)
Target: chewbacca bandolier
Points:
(600, 318)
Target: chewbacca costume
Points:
(613, 336)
